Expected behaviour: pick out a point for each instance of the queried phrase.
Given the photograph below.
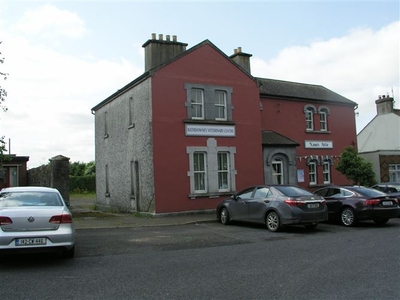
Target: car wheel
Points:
(381, 221)
(311, 225)
(224, 216)
(273, 222)
(69, 253)
(348, 217)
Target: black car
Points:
(392, 188)
(350, 204)
(274, 206)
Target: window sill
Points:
(210, 195)
(190, 121)
(318, 132)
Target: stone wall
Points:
(54, 175)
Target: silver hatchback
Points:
(35, 219)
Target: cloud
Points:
(50, 21)
(50, 94)
(359, 66)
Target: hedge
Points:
(82, 184)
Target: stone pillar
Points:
(60, 175)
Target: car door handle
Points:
(267, 201)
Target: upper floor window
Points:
(208, 102)
(309, 111)
(220, 105)
(197, 103)
(323, 118)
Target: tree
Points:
(3, 95)
(355, 168)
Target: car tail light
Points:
(61, 219)
(293, 202)
(5, 220)
(372, 202)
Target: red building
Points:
(196, 127)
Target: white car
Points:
(35, 219)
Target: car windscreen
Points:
(292, 191)
(15, 199)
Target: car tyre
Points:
(348, 217)
(381, 221)
(273, 222)
(224, 216)
(68, 253)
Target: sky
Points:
(65, 57)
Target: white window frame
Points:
(309, 119)
(200, 173)
(212, 171)
(278, 173)
(323, 121)
(220, 106)
(195, 103)
(326, 170)
(394, 172)
(223, 172)
(312, 172)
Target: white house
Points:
(379, 141)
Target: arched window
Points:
(309, 111)
(277, 171)
(323, 112)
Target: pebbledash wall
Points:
(196, 127)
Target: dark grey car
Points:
(274, 206)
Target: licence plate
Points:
(386, 203)
(313, 205)
(30, 241)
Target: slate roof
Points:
(299, 91)
(272, 138)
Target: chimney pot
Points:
(168, 37)
(174, 38)
(239, 49)
(153, 36)
(160, 37)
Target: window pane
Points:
(223, 172)
(199, 168)
(322, 117)
(312, 173)
(220, 105)
(309, 120)
(197, 103)
(277, 173)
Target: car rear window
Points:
(14, 199)
(292, 191)
(368, 192)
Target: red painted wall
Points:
(204, 65)
(287, 118)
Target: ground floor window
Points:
(312, 172)
(394, 172)
(277, 171)
(326, 167)
(212, 169)
(200, 172)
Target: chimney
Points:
(384, 105)
(241, 58)
(159, 51)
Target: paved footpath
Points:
(86, 217)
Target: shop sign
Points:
(318, 144)
(209, 130)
